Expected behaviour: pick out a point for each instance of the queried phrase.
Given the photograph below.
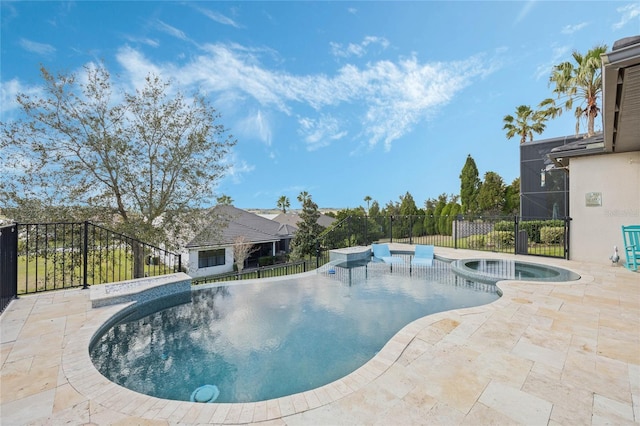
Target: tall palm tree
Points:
(581, 83)
(367, 199)
(524, 123)
(303, 196)
(283, 203)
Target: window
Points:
(211, 258)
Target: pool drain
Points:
(206, 393)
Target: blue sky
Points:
(339, 99)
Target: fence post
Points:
(515, 234)
(455, 231)
(85, 255)
(567, 221)
(391, 228)
(410, 229)
(366, 231)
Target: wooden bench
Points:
(631, 239)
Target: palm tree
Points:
(283, 203)
(525, 123)
(582, 83)
(303, 196)
(367, 199)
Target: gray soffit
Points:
(621, 96)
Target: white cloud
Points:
(629, 13)
(391, 97)
(320, 132)
(559, 54)
(172, 31)
(218, 17)
(257, 126)
(236, 168)
(143, 40)
(37, 48)
(8, 92)
(358, 50)
(525, 11)
(570, 29)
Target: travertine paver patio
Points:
(547, 353)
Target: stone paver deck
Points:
(543, 354)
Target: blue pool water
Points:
(493, 270)
(265, 340)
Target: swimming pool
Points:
(265, 340)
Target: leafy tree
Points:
(491, 195)
(283, 203)
(524, 123)
(512, 198)
(578, 83)
(151, 157)
(469, 186)
(429, 223)
(224, 200)
(437, 211)
(304, 242)
(408, 205)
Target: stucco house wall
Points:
(196, 272)
(614, 179)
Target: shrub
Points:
(504, 225)
(551, 234)
(266, 260)
(475, 241)
(501, 238)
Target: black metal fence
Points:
(261, 272)
(532, 236)
(50, 256)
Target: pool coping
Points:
(88, 381)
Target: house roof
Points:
(229, 223)
(620, 110)
(587, 146)
(293, 218)
(621, 95)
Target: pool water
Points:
(265, 340)
(493, 270)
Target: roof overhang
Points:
(587, 146)
(621, 96)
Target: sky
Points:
(340, 99)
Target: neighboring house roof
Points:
(229, 223)
(293, 218)
(587, 146)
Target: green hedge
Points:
(551, 234)
(476, 241)
(533, 227)
(501, 238)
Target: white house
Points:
(604, 188)
(211, 251)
